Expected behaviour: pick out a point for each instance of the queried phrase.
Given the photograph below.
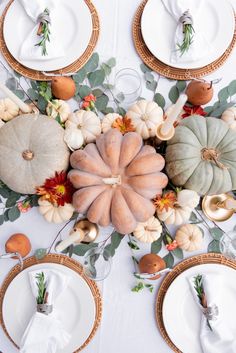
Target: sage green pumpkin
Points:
(202, 156)
(32, 148)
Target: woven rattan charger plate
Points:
(186, 264)
(74, 67)
(173, 73)
(61, 260)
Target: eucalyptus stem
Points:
(188, 32)
(41, 284)
(44, 33)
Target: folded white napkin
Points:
(28, 50)
(200, 46)
(45, 333)
(218, 339)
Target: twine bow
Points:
(210, 154)
(211, 312)
(186, 18)
(44, 17)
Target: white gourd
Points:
(108, 120)
(149, 231)
(8, 109)
(229, 116)
(189, 237)
(55, 214)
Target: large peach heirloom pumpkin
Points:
(117, 177)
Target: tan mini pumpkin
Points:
(31, 150)
(229, 116)
(117, 178)
(145, 117)
(8, 109)
(149, 231)
(189, 237)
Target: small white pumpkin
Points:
(108, 120)
(175, 216)
(149, 231)
(58, 107)
(189, 237)
(145, 117)
(55, 214)
(87, 122)
(73, 138)
(8, 109)
(188, 198)
(229, 116)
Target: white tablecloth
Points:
(128, 323)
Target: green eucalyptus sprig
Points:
(188, 32)
(44, 33)
(198, 286)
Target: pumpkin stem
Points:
(115, 180)
(28, 155)
(210, 154)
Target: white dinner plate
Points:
(75, 32)
(158, 30)
(75, 306)
(181, 315)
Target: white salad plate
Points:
(75, 306)
(74, 27)
(158, 31)
(181, 315)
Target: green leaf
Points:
(84, 91)
(11, 83)
(232, 88)
(101, 102)
(216, 233)
(115, 242)
(144, 68)
(34, 85)
(5, 216)
(214, 246)
(149, 77)
(108, 110)
(121, 111)
(209, 109)
(156, 246)
(111, 62)
(194, 219)
(178, 253)
(135, 260)
(223, 95)
(133, 245)
(96, 78)
(19, 93)
(4, 192)
(80, 76)
(97, 92)
(13, 197)
(169, 260)
(138, 287)
(33, 199)
(92, 63)
(106, 69)
(219, 111)
(151, 85)
(40, 253)
(181, 85)
(107, 86)
(1, 219)
(13, 213)
(42, 104)
(174, 94)
(81, 249)
(33, 94)
(160, 100)
(149, 287)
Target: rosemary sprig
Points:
(198, 285)
(41, 284)
(44, 33)
(188, 32)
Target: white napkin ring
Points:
(186, 18)
(44, 308)
(211, 313)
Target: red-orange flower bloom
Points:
(172, 246)
(124, 125)
(88, 102)
(166, 201)
(57, 190)
(195, 110)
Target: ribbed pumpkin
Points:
(31, 150)
(202, 156)
(117, 177)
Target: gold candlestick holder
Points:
(214, 207)
(166, 137)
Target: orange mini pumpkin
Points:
(117, 178)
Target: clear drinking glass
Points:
(127, 86)
(228, 245)
(97, 263)
(15, 256)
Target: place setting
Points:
(40, 46)
(99, 161)
(184, 39)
